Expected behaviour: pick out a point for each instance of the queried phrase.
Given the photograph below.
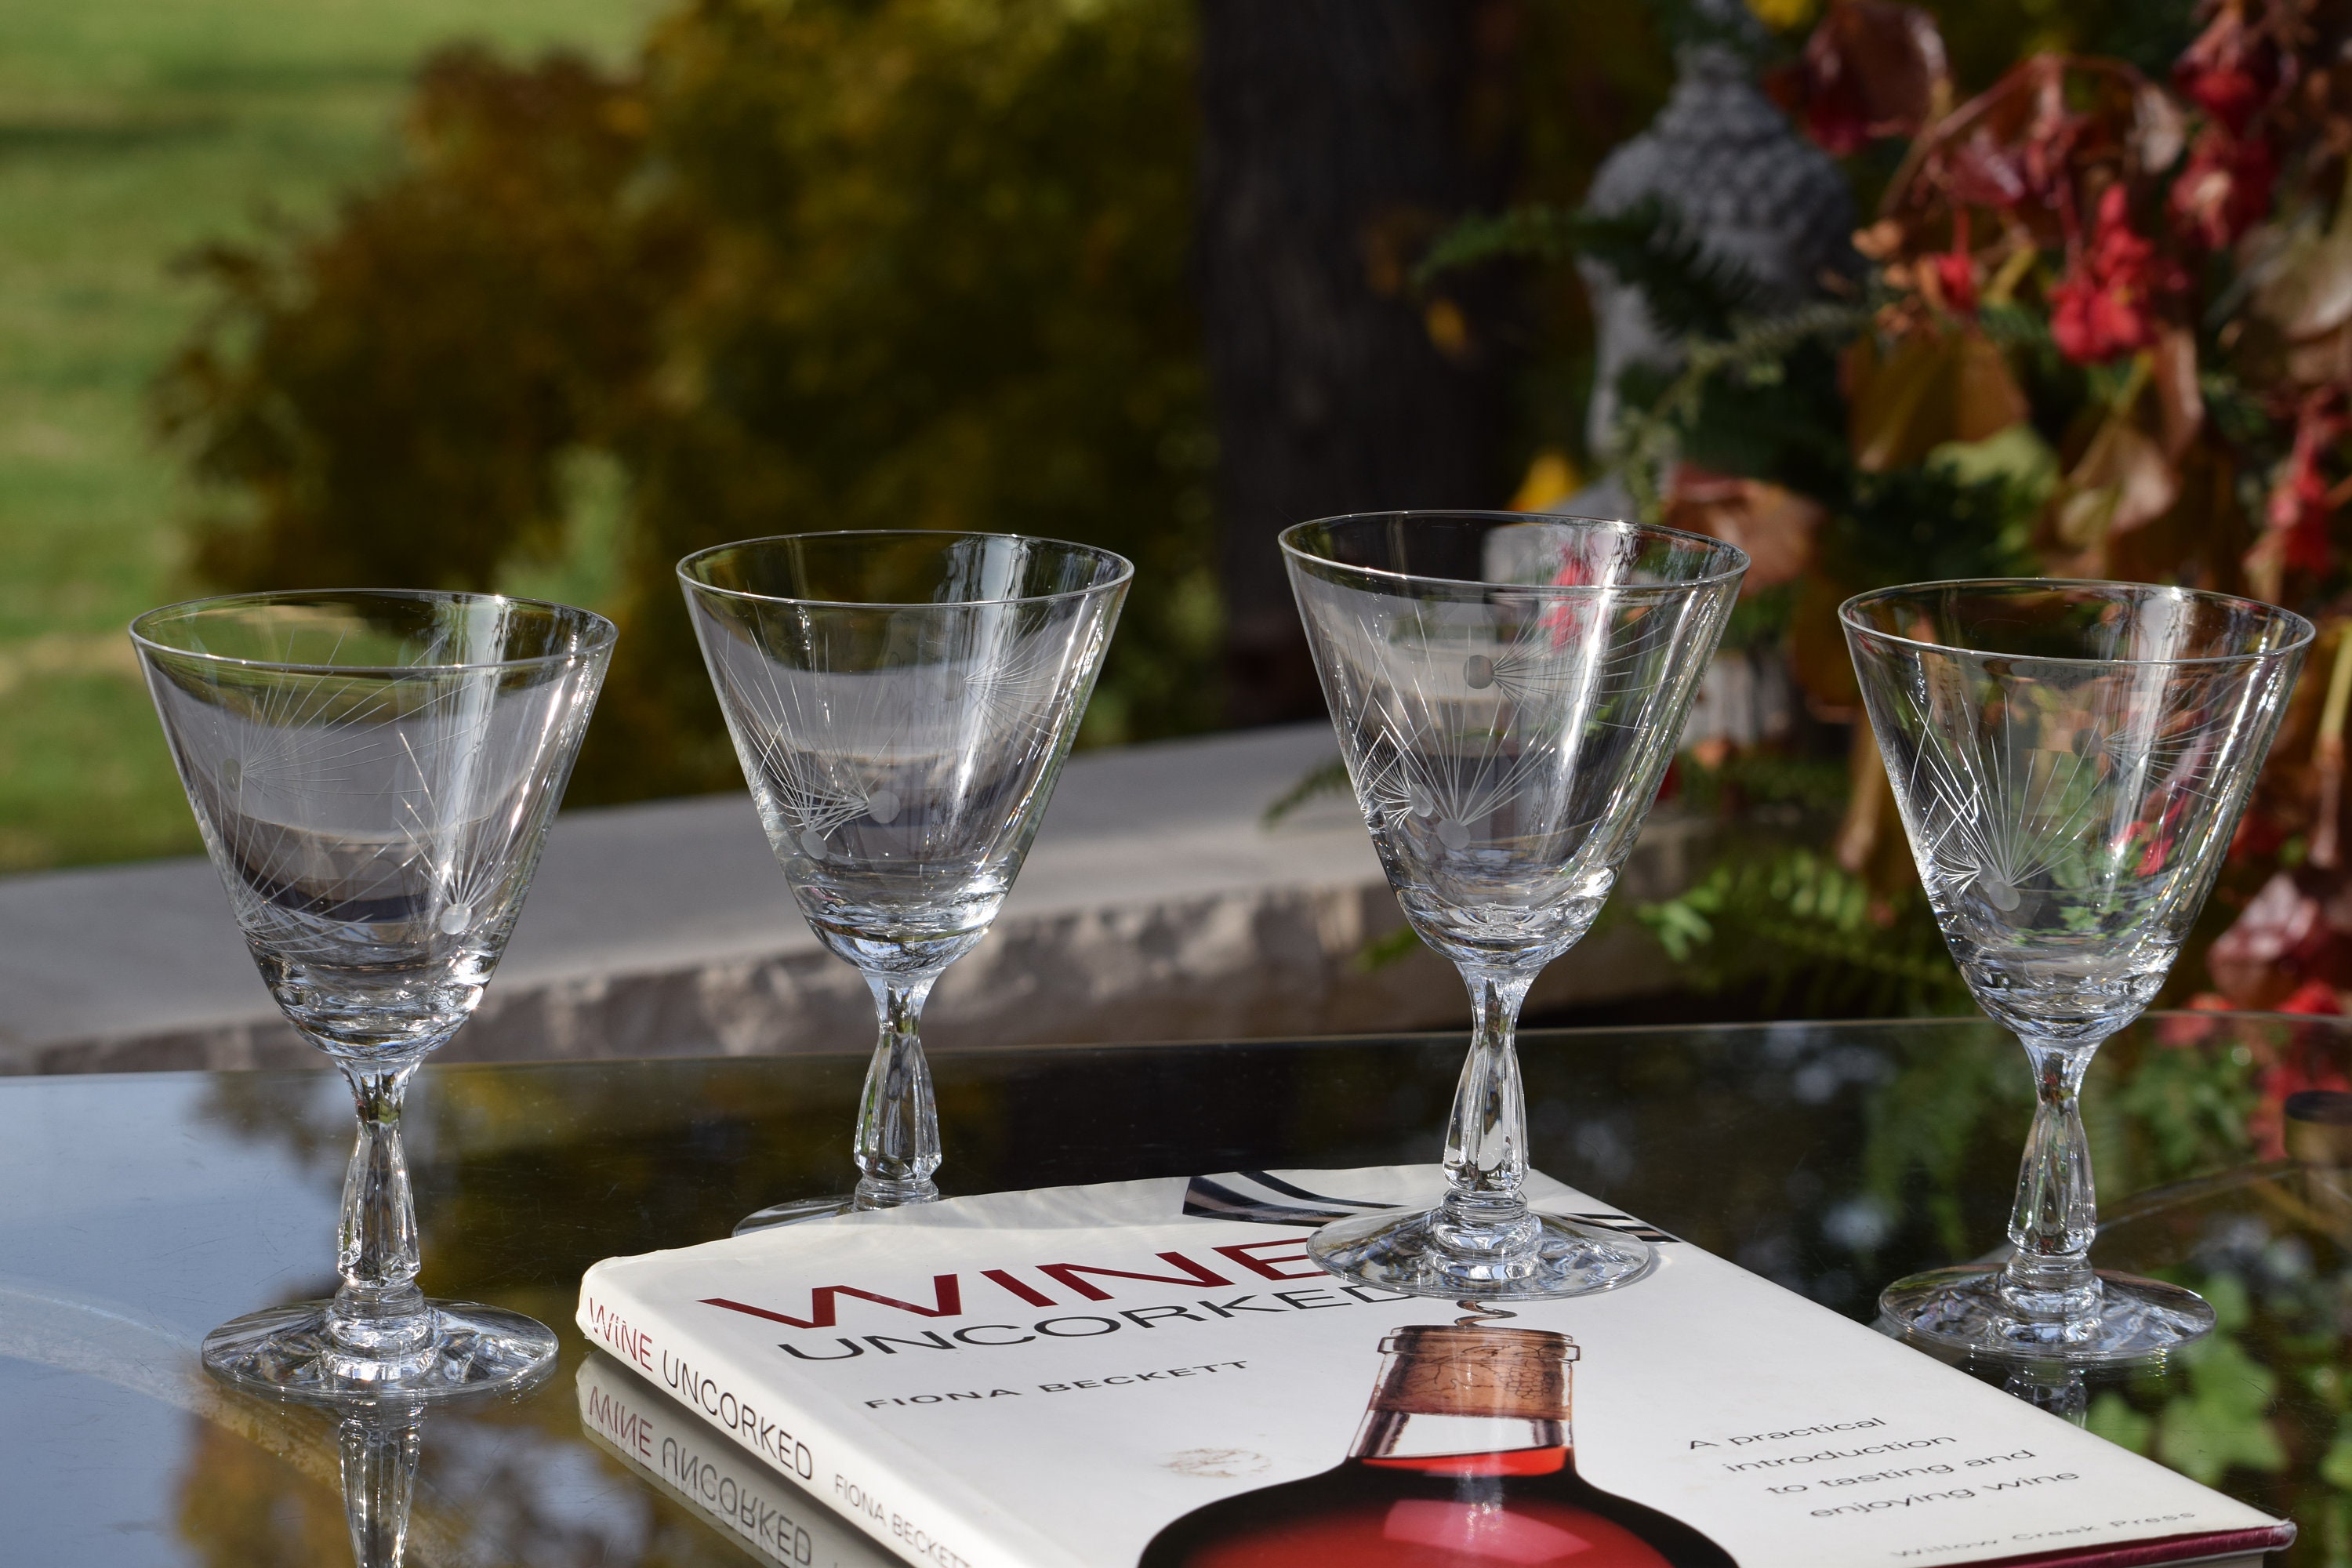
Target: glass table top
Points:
(137, 1212)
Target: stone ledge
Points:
(1156, 905)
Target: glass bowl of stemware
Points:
(373, 774)
(2070, 759)
(902, 703)
(1508, 691)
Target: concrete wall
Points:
(1155, 906)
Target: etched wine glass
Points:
(1507, 693)
(373, 774)
(2070, 759)
(902, 702)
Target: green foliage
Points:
(1324, 778)
(2335, 1464)
(2111, 1417)
(2196, 1106)
(2221, 1424)
(1760, 777)
(1924, 524)
(1759, 619)
(1926, 1123)
(134, 130)
(388, 403)
(1753, 395)
(1691, 292)
(1382, 951)
(1816, 936)
(1984, 37)
(819, 265)
(1665, 413)
(1779, 416)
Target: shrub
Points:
(817, 265)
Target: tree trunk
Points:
(1337, 138)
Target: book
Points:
(1152, 1373)
(631, 1420)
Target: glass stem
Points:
(2049, 1280)
(1486, 1141)
(2063, 1390)
(378, 1313)
(898, 1122)
(379, 1452)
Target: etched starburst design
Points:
(2090, 788)
(343, 801)
(1472, 716)
(828, 746)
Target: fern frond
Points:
(1690, 289)
(1324, 778)
(1795, 916)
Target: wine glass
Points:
(1507, 694)
(902, 702)
(373, 774)
(2070, 759)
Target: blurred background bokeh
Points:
(541, 295)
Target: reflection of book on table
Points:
(1151, 1373)
(628, 1417)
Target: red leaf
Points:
(1773, 525)
(1871, 69)
(2106, 304)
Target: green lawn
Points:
(130, 130)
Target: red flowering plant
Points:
(2131, 302)
(2101, 326)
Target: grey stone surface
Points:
(1155, 906)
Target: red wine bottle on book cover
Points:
(1465, 1461)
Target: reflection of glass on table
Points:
(1825, 1156)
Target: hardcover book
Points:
(630, 1419)
(1151, 1373)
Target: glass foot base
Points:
(796, 1212)
(869, 1195)
(1961, 1310)
(1400, 1252)
(286, 1352)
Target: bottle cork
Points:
(1510, 1374)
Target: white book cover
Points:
(1057, 1378)
(628, 1418)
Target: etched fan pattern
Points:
(436, 855)
(821, 740)
(292, 745)
(1543, 690)
(1994, 816)
(812, 789)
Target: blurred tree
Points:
(1338, 136)
(862, 263)
(831, 264)
(384, 403)
(948, 290)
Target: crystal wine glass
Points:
(1507, 694)
(902, 702)
(2070, 759)
(373, 774)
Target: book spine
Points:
(862, 1488)
(2216, 1546)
